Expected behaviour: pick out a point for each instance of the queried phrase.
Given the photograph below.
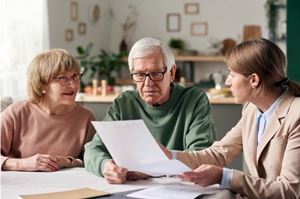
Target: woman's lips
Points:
(69, 93)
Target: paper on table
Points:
(71, 194)
(168, 192)
(132, 146)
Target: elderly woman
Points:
(48, 131)
(268, 132)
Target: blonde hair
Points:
(264, 58)
(44, 67)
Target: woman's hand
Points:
(204, 175)
(38, 162)
(165, 150)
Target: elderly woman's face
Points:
(151, 91)
(62, 89)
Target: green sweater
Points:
(184, 122)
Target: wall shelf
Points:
(200, 58)
(189, 62)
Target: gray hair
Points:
(146, 46)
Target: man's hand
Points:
(113, 173)
(204, 175)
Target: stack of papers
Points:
(132, 146)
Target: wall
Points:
(59, 20)
(293, 40)
(225, 19)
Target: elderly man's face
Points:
(153, 92)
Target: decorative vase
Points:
(123, 46)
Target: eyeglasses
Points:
(63, 80)
(154, 76)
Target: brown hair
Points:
(264, 58)
(44, 67)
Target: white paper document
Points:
(168, 192)
(132, 146)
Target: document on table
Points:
(132, 146)
(71, 194)
(168, 192)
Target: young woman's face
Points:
(240, 86)
(62, 89)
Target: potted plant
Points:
(99, 66)
(272, 14)
(176, 45)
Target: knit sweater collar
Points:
(164, 108)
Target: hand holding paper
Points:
(133, 147)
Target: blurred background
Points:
(200, 32)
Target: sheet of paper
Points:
(166, 167)
(132, 146)
(168, 192)
(70, 194)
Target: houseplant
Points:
(176, 45)
(272, 14)
(103, 65)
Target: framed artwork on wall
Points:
(173, 22)
(81, 28)
(73, 10)
(199, 29)
(191, 8)
(69, 35)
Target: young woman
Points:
(268, 132)
(48, 131)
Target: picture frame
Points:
(191, 8)
(199, 28)
(173, 22)
(69, 35)
(81, 28)
(73, 10)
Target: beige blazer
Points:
(274, 164)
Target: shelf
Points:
(110, 98)
(200, 58)
(189, 60)
(196, 58)
(280, 5)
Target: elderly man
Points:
(180, 118)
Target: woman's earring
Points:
(43, 91)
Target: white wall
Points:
(59, 20)
(225, 18)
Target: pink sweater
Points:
(26, 130)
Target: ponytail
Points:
(294, 87)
